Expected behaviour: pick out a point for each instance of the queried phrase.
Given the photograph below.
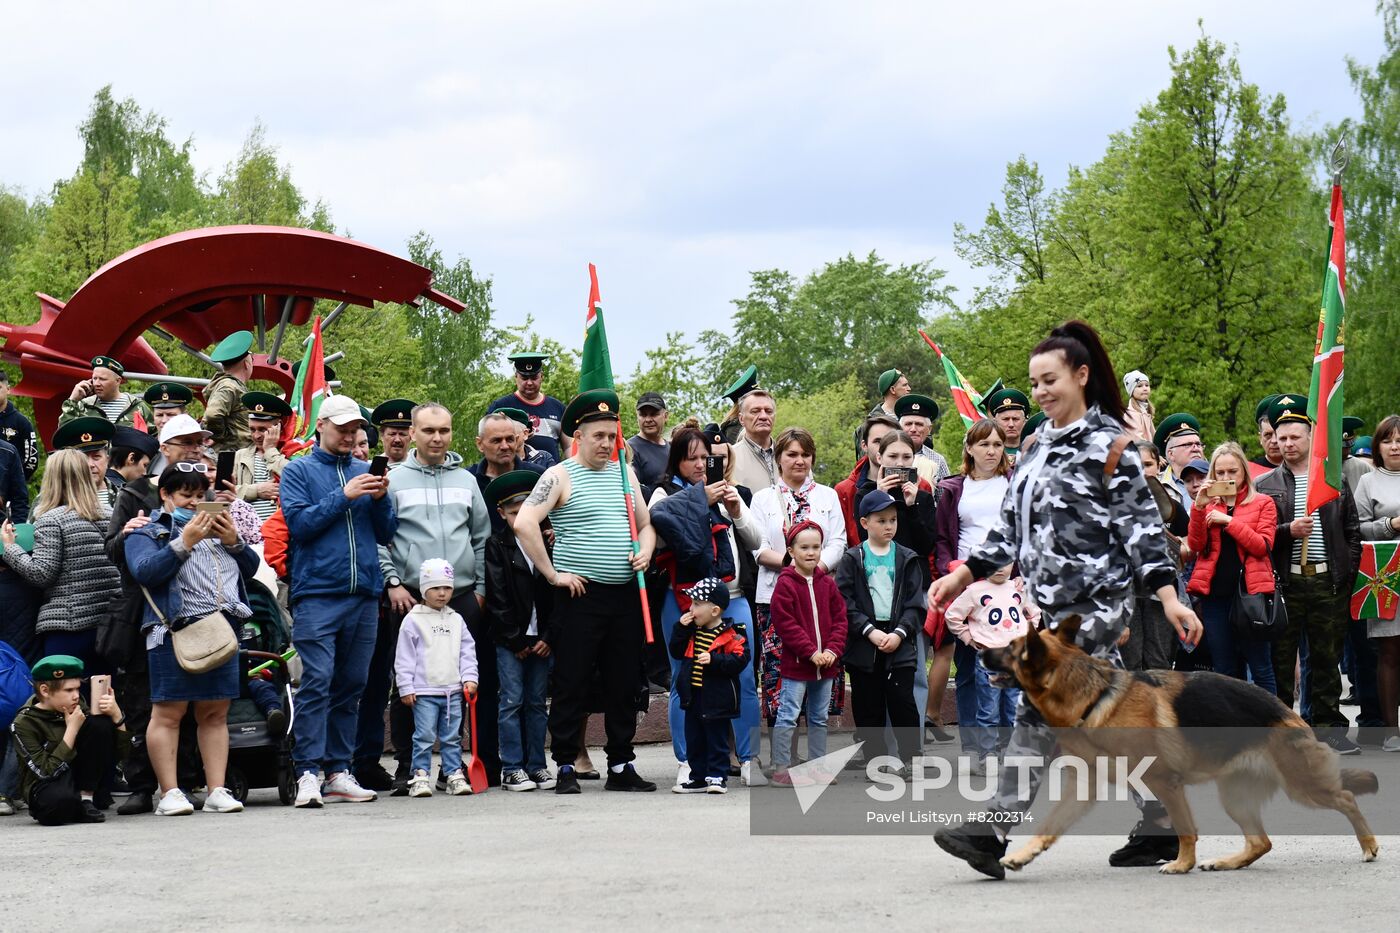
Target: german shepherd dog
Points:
(1137, 715)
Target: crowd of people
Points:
(416, 589)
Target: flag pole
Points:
(632, 530)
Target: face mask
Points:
(182, 515)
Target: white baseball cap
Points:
(182, 426)
(341, 410)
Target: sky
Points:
(679, 146)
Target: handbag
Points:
(119, 632)
(1259, 616)
(201, 644)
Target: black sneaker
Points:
(139, 802)
(976, 844)
(441, 783)
(402, 774)
(89, 813)
(1339, 743)
(567, 782)
(693, 786)
(627, 779)
(277, 726)
(371, 776)
(1145, 849)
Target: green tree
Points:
(671, 370)
(120, 137)
(829, 413)
(256, 188)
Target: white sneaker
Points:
(751, 774)
(682, 774)
(221, 801)
(174, 803)
(309, 791)
(1391, 744)
(342, 787)
(457, 785)
(420, 785)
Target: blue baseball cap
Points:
(876, 500)
(1199, 465)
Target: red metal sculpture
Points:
(195, 288)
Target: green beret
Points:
(85, 434)
(1032, 423)
(588, 406)
(920, 405)
(1288, 408)
(528, 363)
(516, 415)
(106, 362)
(1175, 426)
(56, 667)
(746, 383)
(887, 378)
(1350, 425)
(233, 347)
(508, 487)
(1007, 399)
(1361, 447)
(264, 406)
(395, 413)
(168, 395)
(1261, 411)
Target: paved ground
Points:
(626, 862)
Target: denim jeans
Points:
(334, 636)
(965, 692)
(1228, 654)
(799, 696)
(523, 717)
(437, 718)
(996, 710)
(746, 725)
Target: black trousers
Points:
(56, 802)
(600, 631)
(883, 693)
(706, 740)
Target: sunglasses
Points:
(186, 466)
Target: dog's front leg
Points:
(1062, 816)
(1174, 799)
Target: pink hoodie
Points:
(992, 614)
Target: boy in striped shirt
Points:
(713, 652)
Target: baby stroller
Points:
(258, 757)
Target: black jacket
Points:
(14, 490)
(17, 430)
(1341, 530)
(907, 605)
(512, 590)
(917, 527)
(729, 652)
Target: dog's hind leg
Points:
(1243, 795)
(1061, 817)
(1311, 777)
(1173, 797)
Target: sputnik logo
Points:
(812, 778)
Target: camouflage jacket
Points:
(1078, 535)
(89, 407)
(224, 414)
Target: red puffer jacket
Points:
(1251, 529)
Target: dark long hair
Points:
(1081, 346)
(681, 439)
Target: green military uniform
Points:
(168, 395)
(224, 413)
(121, 411)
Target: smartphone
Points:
(215, 507)
(905, 474)
(714, 470)
(378, 465)
(99, 685)
(224, 471)
(1223, 488)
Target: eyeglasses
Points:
(185, 444)
(186, 466)
(1189, 445)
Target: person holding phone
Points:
(1231, 533)
(101, 396)
(191, 563)
(702, 521)
(257, 468)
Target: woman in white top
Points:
(795, 497)
(968, 505)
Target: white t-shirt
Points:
(978, 510)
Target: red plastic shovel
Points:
(476, 771)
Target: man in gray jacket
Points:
(442, 514)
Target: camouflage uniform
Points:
(1078, 536)
(224, 414)
(89, 407)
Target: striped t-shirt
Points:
(113, 410)
(704, 637)
(1317, 546)
(591, 536)
(261, 474)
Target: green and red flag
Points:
(1376, 594)
(595, 367)
(965, 398)
(307, 393)
(1325, 396)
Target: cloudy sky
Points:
(676, 145)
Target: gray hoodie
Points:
(441, 515)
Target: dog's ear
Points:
(1068, 628)
(1032, 650)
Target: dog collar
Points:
(1097, 702)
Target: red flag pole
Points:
(632, 530)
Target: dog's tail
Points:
(1360, 782)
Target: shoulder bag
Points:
(201, 644)
(1259, 616)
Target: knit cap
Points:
(435, 572)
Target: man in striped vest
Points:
(597, 622)
(257, 468)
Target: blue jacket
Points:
(696, 532)
(333, 540)
(154, 564)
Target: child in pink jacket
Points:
(809, 616)
(992, 613)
